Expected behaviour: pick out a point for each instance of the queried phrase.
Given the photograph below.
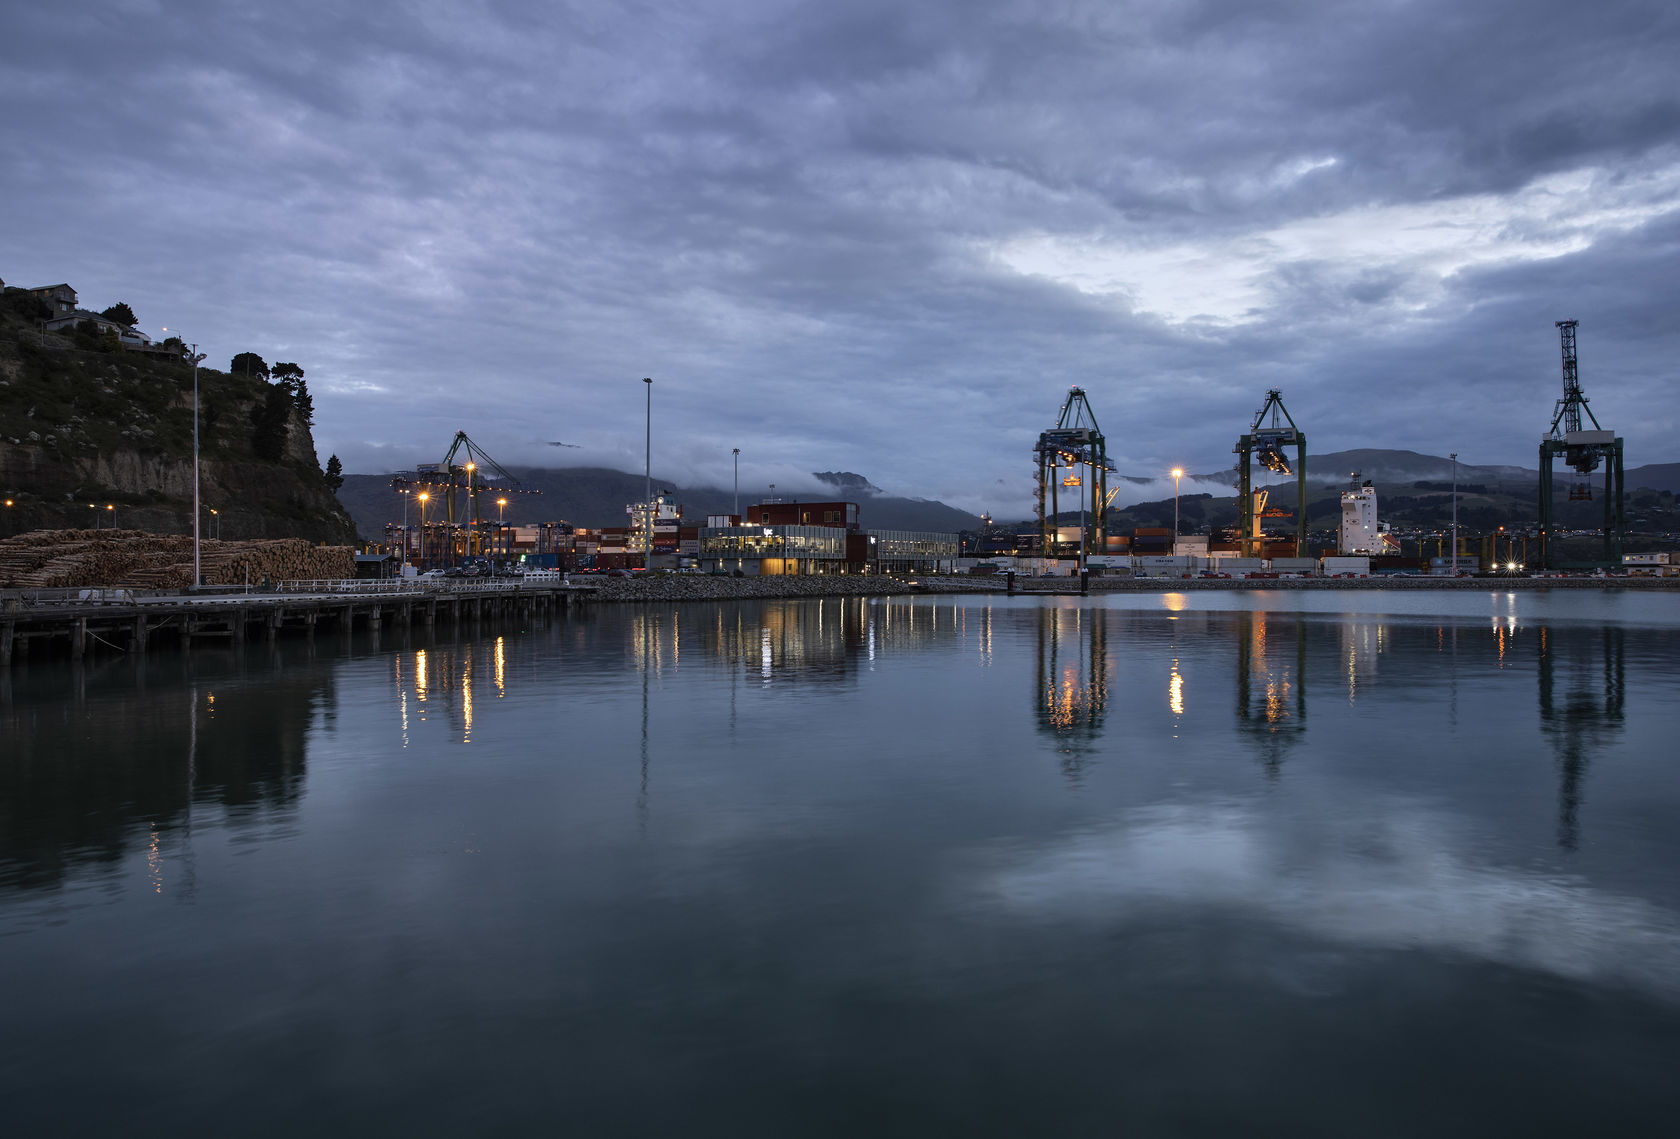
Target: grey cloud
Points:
(477, 216)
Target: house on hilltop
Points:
(126, 336)
(61, 297)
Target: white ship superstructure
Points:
(1361, 532)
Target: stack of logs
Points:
(48, 559)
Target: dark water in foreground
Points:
(1341, 864)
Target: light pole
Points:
(112, 507)
(1455, 514)
(217, 524)
(737, 484)
(501, 535)
(1177, 473)
(423, 498)
(647, 489)
(404, 493)
(198, 573)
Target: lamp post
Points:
(1455, 514)
(112, 508)
(647, 489)
(737, 483)
(501, 536)
(217, 523)
(198, 576)
(1177, 473)
(423, 498)
(404, 493)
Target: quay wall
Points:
(684, 587)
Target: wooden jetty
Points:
(79, 622)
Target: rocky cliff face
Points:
(84, 430)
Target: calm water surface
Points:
(1205, 864)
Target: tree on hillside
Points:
(249, 364)
(335, 473)
(290, 376)
(270, 424)
(121, 313)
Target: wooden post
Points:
(78, 638)
(7, 632)
(140, 633)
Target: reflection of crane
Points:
(1271, 687)
(1073, 676)
(1582, 450)
(1584, 712)
(1268, 442)
(1074, 443)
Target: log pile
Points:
(73, 559)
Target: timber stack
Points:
(72, 559)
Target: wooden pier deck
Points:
(79, 622)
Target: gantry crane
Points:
(1582, 450)
(1268, 441)
(1074, 445)
(475, 474)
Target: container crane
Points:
(1268, 442)
(1075, 443)
(466, 467)
(1583, 450)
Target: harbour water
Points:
(1181, 864)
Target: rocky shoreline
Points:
(685, 587)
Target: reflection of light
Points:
(1174, 601)
(765, 656)
(466, 701)
(420, 675)
(402, 703)
(1175, 690)
(154, 863)
(501, 664)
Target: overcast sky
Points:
(878, 237)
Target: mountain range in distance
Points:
(597, 496)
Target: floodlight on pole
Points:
(647, 488)
(1455, 514)
(1177, 473)
(198, 575)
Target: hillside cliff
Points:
(86, 425)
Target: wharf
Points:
(83, 621)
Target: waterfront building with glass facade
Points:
(754, 551)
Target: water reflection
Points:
(1073, 670)
(1582, 680)
(137, 752)
(1271, 683)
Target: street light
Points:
(737, 483)
(198, 575)
(404, 493)
(501, 505)
(217, 515)
(647, 474)
(424, 498)
(1455, 514)
(112, 507)
(1177, 473)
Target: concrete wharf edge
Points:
(135, 625)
